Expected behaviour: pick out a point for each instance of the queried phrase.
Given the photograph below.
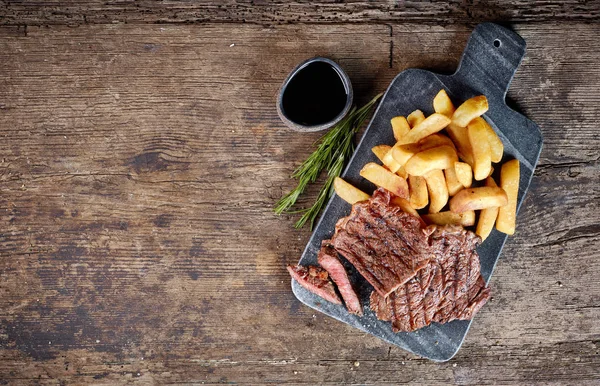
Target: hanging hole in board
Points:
(497, 43)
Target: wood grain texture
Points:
(277, 12)
(138, 168)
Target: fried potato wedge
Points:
(382, 177)
(482, 158)
(435, 140)
(442, 104)
(383, 152)
(402, 172)
(400, 127)
(348, 192)
(450, 218)
(469, 110)
(380, 151)
(441, 157)
(478, 198)
(415, 118)
(403, 152)
(389, 162)
(496, 145)
(452, 182)
(490, 182)
(406, 207)
(487, 217)
(419, 197)
(432, 124)
(438, 192)
(464, 173)
(461, 139)
(509, 181)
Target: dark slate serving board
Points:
(488, 64)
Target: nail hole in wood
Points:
(497, 43)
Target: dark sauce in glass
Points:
(315, 95)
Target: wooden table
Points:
(141, 155)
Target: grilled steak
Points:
(328, 259)
(387, 246)
(463, 291)
(420, 275)
(449, 287)
(316, 280)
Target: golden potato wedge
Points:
(468, 218)
(452, 182)
(496, 145)
(469, 110)
(400, 127)
(432, 124)
(348, 192)
(509, 181)
(482, 158)
(478, 198)
(461, 140)
(403, 152)
(490, 182)
(382, 177)
(438, 192)
(441, 157)
(464, 173)
(415, 118)
(465, 219)
(487, 217)
(406, 207)
(442, 104)
(402, 172)
(435, 140)
(380, 151)
(389, 162)
(419, 197)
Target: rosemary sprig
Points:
(311, 168)
(333, 150)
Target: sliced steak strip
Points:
(316, 280)
(450, 287)
(386, 245)
(328, 259)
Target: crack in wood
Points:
(582, 232)
(391, 64)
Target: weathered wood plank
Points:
(138, 168)
(276, 12)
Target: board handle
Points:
(491, 58)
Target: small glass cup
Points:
(298, 126)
